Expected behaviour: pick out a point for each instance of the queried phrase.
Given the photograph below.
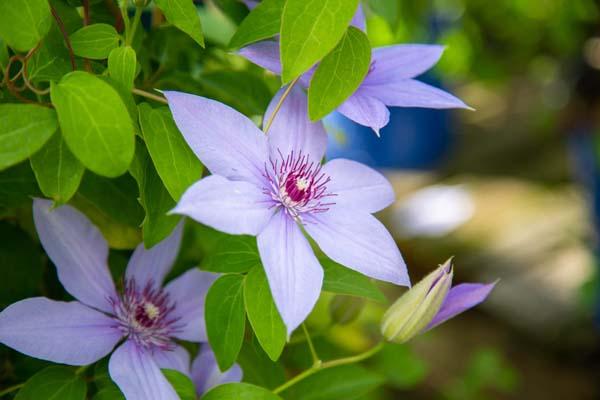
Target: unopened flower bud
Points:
(416, 308)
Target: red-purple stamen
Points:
(145, 315)
(297, 184)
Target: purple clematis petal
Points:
(357, 186)
(359, 20)
(177, 359)
(460, 298)
(79, 252)
(206, 373)
(292, 130)
(412, 93)
(68, 333)
(235, 207)
(359, 241)
(366, 110)
(188, 292)
(399, 62)
(138, 376)
(152, 265)
(265, 54)
(294, 273)
(227, 142)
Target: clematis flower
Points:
(430, 303)
(147, 316)
(274, 187)
(206, 373)
(389, 82)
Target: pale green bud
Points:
(415, 309)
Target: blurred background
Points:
(511, 190)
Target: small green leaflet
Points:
(122, 64)
(309, 30)
(341, 280)
(54, 383)
(154, 198)
(95, 123)
(225, 318)
(339, 74)
(24, 129)
(262, 313)
(183, 385)
(57, 170)
(262, 23)
(233, 254)
(24, 23)
(175, 162)
(239, 391)
(184, 15)
(95, 41)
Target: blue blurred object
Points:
(415, 138)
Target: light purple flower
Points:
(389, 83)
(206, 373)
(146, 315)
(274, 187)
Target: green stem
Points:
(125, 15)
(11, 389)
(311, 346)
(329, 364)
(154, 97)
(81, 369)
(134, 25)
(279, 104)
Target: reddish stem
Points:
(63, 30)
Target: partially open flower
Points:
(430, 303)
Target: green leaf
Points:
(243, 91)
(54, 383)
(94, 41)
(24, 23)
(182, 384)
(122, 63)
(95, 123)
(109, 393)
(339, 74)
(339, 279)
(239, 391)
(233, 253)
(17, 185)
(57, 170)
(258, 368)
(3, 56)
(309, 30)
(184, 15)
(154, 198)
(24, 128)
(225, 318)
(115, 197)
(111, 204)
(262, 23)
(175, 162)
(262, 313)
(21, 264)
(345, 382)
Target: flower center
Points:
(298, 185)
(145, 315)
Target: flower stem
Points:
(329, 364)
(81, 369)
(134, 25)
(125, 16)
(151, 96)
(279, 104)
(11, 389)
(311, 346)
